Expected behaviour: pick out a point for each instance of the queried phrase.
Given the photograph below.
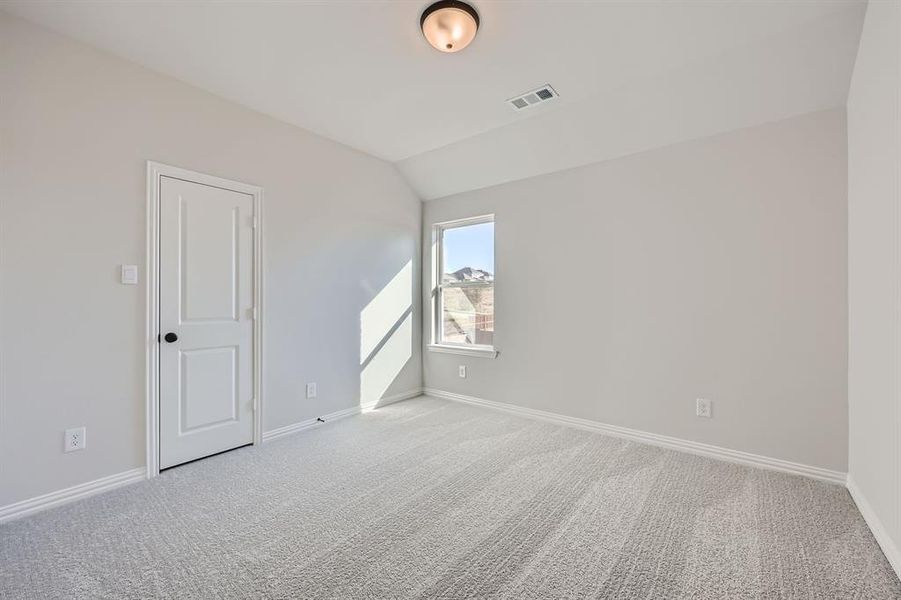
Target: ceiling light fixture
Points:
(449, 25)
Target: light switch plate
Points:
(311, 390)
(129, 274)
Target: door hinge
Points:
(254, 221)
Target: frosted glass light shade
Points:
(449, 26)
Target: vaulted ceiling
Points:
(631, 75)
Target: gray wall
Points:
(76, 128)
(874, 272)
(715, 268)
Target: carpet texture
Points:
(430, 499)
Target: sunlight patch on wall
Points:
(386, 364)
(383, 312)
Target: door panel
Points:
(206, 299)
(208, 377)
(209, 265)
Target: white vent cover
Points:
(543, 94)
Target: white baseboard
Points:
(665, 441)
(391, 399)
(273, 434)
(70, 494)
(891, 551)
(105, 484)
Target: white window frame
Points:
(435, 296)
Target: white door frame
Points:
(155, 171)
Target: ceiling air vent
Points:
(539, 96)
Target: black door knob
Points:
(170, 337)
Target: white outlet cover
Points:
(75, 439)
(703, 408)
(311, 390)
(462, 371)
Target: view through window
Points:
(465, 299)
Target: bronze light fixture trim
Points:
(449, 25)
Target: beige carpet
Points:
(429, 499)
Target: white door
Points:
(206, 320)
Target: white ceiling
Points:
(631, 75)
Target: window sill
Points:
(483, 352)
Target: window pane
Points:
(468, 316)
(468, 253)
(468, 310)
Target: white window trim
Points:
(471, 350)
(481, 351)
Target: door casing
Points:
(156, 170)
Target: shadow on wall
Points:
(386, 337)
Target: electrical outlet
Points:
(75, 439)
(311, 390)
(703, 408)
(461, 371)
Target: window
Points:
(463, 289)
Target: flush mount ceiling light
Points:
(449, 25)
